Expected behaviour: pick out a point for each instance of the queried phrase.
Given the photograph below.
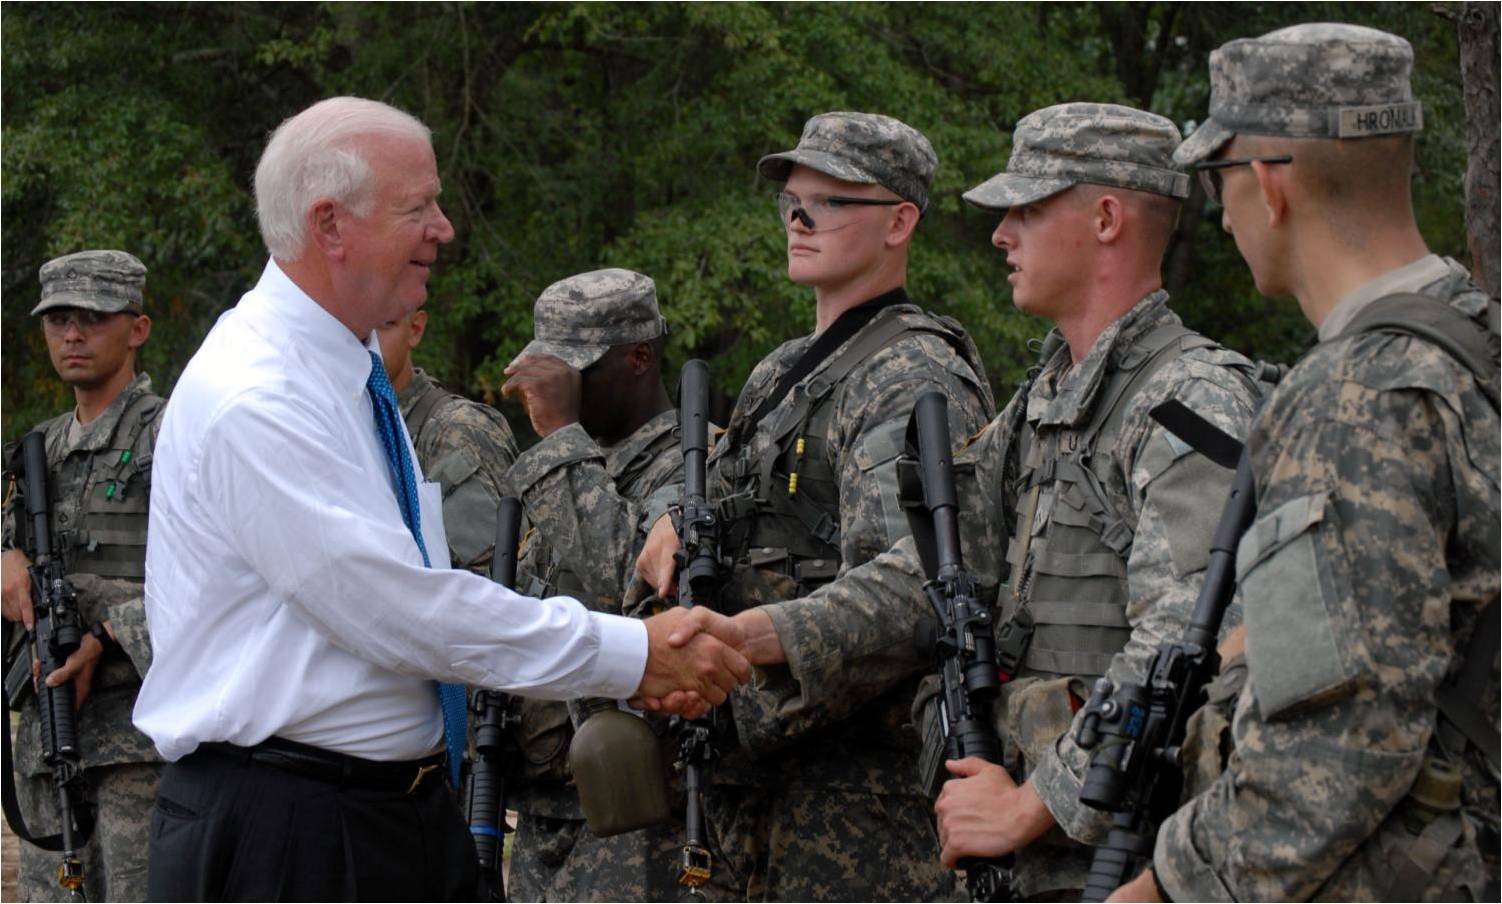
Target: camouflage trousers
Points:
(556, 859)
(782, 844)
(114, 860)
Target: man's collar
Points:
(335, 350)
(619, 456)
(1077, 385)
(1412, 277)
(97, 433)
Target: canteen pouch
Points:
(618, 769)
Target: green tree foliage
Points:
(576, 136)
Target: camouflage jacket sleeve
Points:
(1376, 542)
(467, 448)
(843, 643)
(1173, 497)
(571, 500)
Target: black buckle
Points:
(1012, 640)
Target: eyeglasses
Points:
(56, 320)
(1209, 171)
(833, 211)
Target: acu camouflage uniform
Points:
(1375, 551)
(466, 447)
(815, 798)
(587, 507)
(100, 480)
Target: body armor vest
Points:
(108, 536)
(782, 518)
(1070, 590)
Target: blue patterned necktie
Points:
(388, 422)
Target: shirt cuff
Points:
(1177, 865)
(622, 658)
(1059, 789)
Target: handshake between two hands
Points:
(696, 657)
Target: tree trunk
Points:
(1478, 72)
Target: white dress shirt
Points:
(285, 597)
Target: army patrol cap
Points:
(1319, 80)
(1065, 145)
(107, 281)
(866, 148)
(578, 319)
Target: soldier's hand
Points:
(549, 389)
(704, 660)
(1142, 888)
(763, 646)
(1234, 645)
(656, 564)
(79, 668)
(983, 813)
(15, 588)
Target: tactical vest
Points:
(782, 517)
(1067, 613)
(109, 536)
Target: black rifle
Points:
(962, 641)
(485, 794)
(1135, 731)
(58, 632)
(699, 581)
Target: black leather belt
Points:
(336, 768)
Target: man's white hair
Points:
(316, 154)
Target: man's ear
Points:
(903, 224)
(640, 358)
(417, 328)
(140, 331)
(1108, 217)
(1272, 187)
(325, 227)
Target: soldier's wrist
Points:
(102, 634)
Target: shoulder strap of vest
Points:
(133, 419)
(1459, 700)
(429, 400)
(1472, 344)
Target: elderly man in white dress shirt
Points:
(298, 630)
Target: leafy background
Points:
(577, 136)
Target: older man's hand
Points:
(700, 669)
(549, 389)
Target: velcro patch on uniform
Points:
(1380, 119)
(1293, 651)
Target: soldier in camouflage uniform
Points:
(462, 444)
(592, 384)
(815, 797)
(99, 470)
(1366, 736)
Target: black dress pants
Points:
(229, 828)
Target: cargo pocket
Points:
(1298, 650)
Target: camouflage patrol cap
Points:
(578, 319)
(1318, 80)
(1103, 144)
(107, 281)
(861, 147)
